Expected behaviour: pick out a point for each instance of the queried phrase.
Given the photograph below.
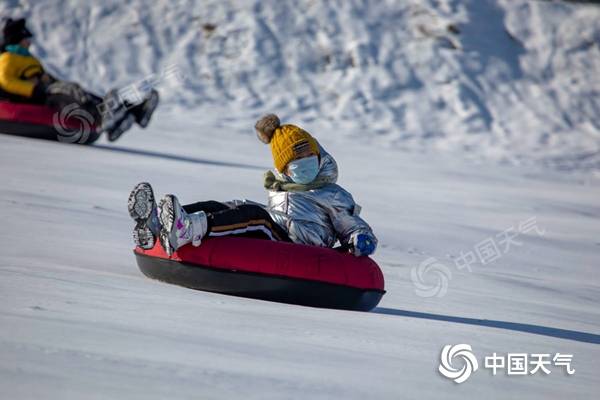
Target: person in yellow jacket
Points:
(23, 79)
(21, 74)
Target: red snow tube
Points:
(268, 270)
(43, 122)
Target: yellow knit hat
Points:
(286, 140)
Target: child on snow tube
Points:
(305, 204)
(23, 79)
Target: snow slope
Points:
(79, 321)
(508, 80)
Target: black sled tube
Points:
(259, 286)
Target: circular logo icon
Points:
(460, 351)
(431, 278)
(70, 131)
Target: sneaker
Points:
(113, 110)
(178, 227)
(121, 127)
(142, 209)
(143, 112)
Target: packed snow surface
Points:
(418, 102)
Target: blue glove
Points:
(364, 245)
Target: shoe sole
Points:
(167, 219)
(141, 202)
(140, 205)
(121, 128)
(151, 105)
(143, 236)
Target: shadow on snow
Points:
(175, 157)
(512, 326)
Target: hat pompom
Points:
(266, 126)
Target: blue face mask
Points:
(304, 170)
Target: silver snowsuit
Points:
(318, 217)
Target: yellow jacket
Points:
(16, 73)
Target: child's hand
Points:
(363, 245)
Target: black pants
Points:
(247, 220)
(95, 105)
(60, 101)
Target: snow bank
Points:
(513, 81)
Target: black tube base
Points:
(259, 286)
